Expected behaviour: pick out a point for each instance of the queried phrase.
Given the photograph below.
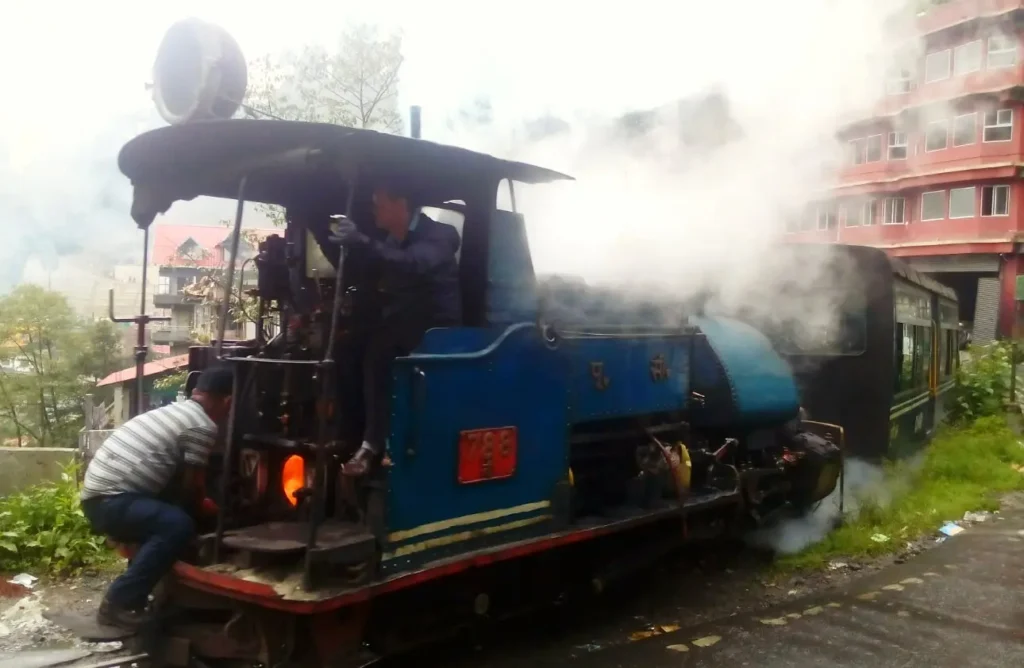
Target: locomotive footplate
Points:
(340, 543)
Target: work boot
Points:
(111, 614)
(360, 462)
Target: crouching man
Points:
(145, 486)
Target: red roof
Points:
(150, 369)
(168, 239)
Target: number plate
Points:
(487, 454)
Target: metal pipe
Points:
(414, 121)
(229, 279)
(226, 469)
(140, 340)
(328, 394)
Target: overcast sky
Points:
(74, 76)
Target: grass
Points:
(964, 469)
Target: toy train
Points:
(557, 417)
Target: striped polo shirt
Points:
(144, 454)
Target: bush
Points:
(43, 528)
(982, 383)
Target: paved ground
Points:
(961, 604)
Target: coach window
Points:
(913, 341)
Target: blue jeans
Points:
(162, 531)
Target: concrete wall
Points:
(24, 467)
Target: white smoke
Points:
(864, 483)
(658, 217)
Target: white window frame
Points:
(957, 72)
(868, 213)
(974, 199)
(974, 139)
(895, 143)
(1001, 52)
(867, 148)
(821, 214)
(944, 204)
(859, 151)
(949, 65)
(997, 124)
(889, 208)
(927, 131)
(900, 85)
(993, 188)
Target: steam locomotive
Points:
(557, 418)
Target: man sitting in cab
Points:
(145, 486)
(418, 289)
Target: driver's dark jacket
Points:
(413, 283)
(418, 279)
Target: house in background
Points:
(122, 388)
(183, 255)
(933, 173)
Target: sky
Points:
(75, 92)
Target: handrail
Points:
(476, 355)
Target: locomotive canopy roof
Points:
(289, 161)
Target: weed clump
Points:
(43, 529)
(965, 468)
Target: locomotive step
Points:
(336, 542)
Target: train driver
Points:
(145, 485)
(418, 289)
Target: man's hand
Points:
(348, 234)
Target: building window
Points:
(995, 201)
(857, 147)
(998, 126)
(874, 148)
(933, 205)
(897, 145)
(163, 286)
(961, 202)
(858, 212)
(936, 66)
(936, 136)
(1002, 51)
(826, 217)
(895, 211)
(965, 129)
(967, 58)
(900, 82)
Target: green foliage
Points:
(355, 84)
(965, 468)
(43, 528)
(49, 359)
(982, 383)
(172, 381)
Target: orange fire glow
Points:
(293, 477)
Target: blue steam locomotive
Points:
(556, 418)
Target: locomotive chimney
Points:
(414, 121)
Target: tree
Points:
(102, 352)
(49, 358)
(355, 85)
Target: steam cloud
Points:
(655, 213)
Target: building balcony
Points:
(1000, 84)
(943, 15)
(167, 300)
(993, 234)
(171, 335)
